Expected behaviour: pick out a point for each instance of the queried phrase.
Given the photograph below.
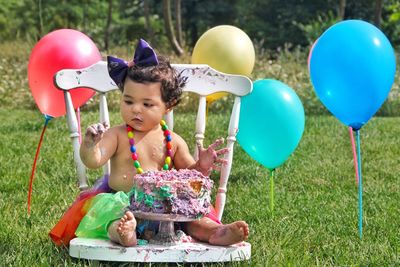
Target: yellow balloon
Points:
(227, 49)
(211, 98)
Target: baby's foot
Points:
(126, 230)
(229, 234)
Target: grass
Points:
(315, 221)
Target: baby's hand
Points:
(210, 159)
(94, 133)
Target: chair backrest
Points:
(202, 80)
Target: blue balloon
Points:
(271, 122)
(352, 69)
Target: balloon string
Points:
(353, 146)
(78, 116)
(271, 191)
(360, 189)
(47, 119)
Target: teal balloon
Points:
(352, 69)
(271, 122)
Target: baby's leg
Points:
(124, 230)
(209, 231)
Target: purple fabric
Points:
(144, 57)
(117, 69)
(100, 186)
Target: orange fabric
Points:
(64, 230)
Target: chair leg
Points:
(73, 128)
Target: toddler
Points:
(150, 88)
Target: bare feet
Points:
(124, 230)
(229, 234)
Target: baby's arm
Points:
(98, 145)
(208, 158)
(182, 157)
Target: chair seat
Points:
(105, 250)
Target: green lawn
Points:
(316, 208)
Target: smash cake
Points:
(180, 192)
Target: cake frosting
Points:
(182, 192)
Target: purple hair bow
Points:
(144, 57)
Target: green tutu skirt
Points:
(105, 209)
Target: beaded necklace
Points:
(168, 139)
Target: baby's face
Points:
(141, 105)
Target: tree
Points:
(378, 13)
(107, 31)
(169, 28)
(178, 23)
(149, 29)
(341, 9)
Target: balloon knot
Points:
(47, 118)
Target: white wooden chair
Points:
(203, 81)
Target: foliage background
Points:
(269, 22)
(282, 33)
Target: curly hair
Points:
(172, 82)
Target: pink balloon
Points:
(60, 49)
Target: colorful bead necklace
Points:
(168, 139)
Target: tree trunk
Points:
(169, 29)
(341, 9)
(85, 14)
(178, 22)
(40, 19)
(192, 25)
(67, 16)
(149, 29)
(378, 13)
(107, 32)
